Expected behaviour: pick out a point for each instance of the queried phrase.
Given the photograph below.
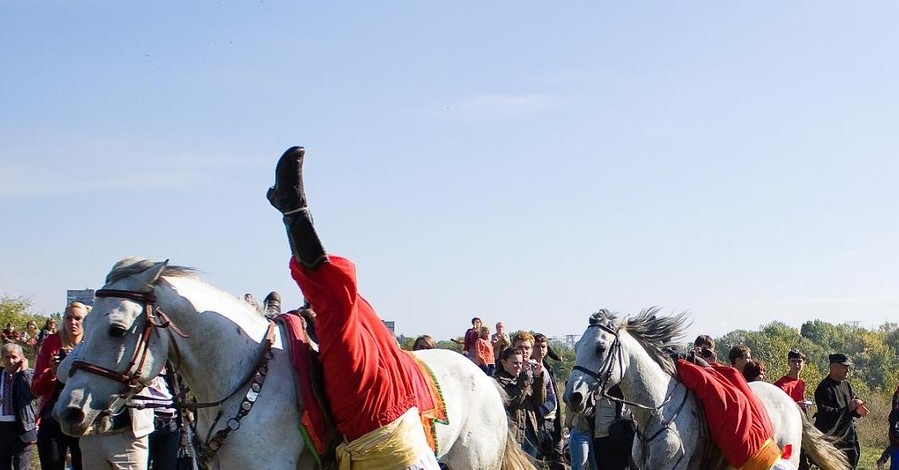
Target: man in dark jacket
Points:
(17, 413)
(838, 407)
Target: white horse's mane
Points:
(135, 265)
(654, 333)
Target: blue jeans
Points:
(580, 446)
(894, 459)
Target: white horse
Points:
(671, 432)
(230, 356)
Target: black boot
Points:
(289, 197)
(272, 304)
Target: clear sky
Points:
(528, 162)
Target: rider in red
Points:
(374, 388)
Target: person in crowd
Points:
(838, 407)
(523, 383)
(48, 329)
(893, 446)
(795, 388)
(550, 412)
(754, 370)
(29, 336)
(354, 344)
(10, 335)
(894, 441)
(484, 357)
(613, 433)
(18, 418)
(739, 355)
(791, 383)
(499, 340)
(165, 439)
(423, 342)
(703, 341)
(52, 444)
(580, 437)
(122, 446)
(470, 340)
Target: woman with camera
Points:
(52, 444)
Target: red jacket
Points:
(369, 380)
(737, 420)
(44, 383)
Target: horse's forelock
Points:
(603, 317)
(135, 265)
(657, 334)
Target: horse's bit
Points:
(605, 373)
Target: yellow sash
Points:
(395, 446)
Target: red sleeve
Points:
(44, 381)
(366, 372)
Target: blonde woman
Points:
(52, 444)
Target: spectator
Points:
(484, 357)
(10, 335)
(469, 341)
(613, 434)
(423, 342)
(704, 347)
(838, 408)
(524, 386)
(499, 340)
(29, 336)
(48, 329)
(739, 355)
(754, 370)
(17, 414)
(52, 444)
(165, 439)
(894, 440)
(550, 412)
(580, 438)
(791, 383)
(795, 388)
(893, 446)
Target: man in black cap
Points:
(838, 407)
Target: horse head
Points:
(593, 369)
(123, 350)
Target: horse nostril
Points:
(576, 397)
(73, 415)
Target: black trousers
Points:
(164, 442)
(52, 446)
(14, 454)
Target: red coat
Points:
(369, 380)
(44, 382)
(737, 420)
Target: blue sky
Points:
(519, 161)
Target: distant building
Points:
(85, 296)
(390, 326)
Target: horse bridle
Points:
(131, 377)
(605, 373)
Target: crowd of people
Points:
(137, 438)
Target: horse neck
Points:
(643, 381)
(225, 337)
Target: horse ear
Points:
(150, 276)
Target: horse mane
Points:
(134, 265)
(657, 334)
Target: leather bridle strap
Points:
(142, 347)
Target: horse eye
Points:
(117, 331)
(600, 349)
